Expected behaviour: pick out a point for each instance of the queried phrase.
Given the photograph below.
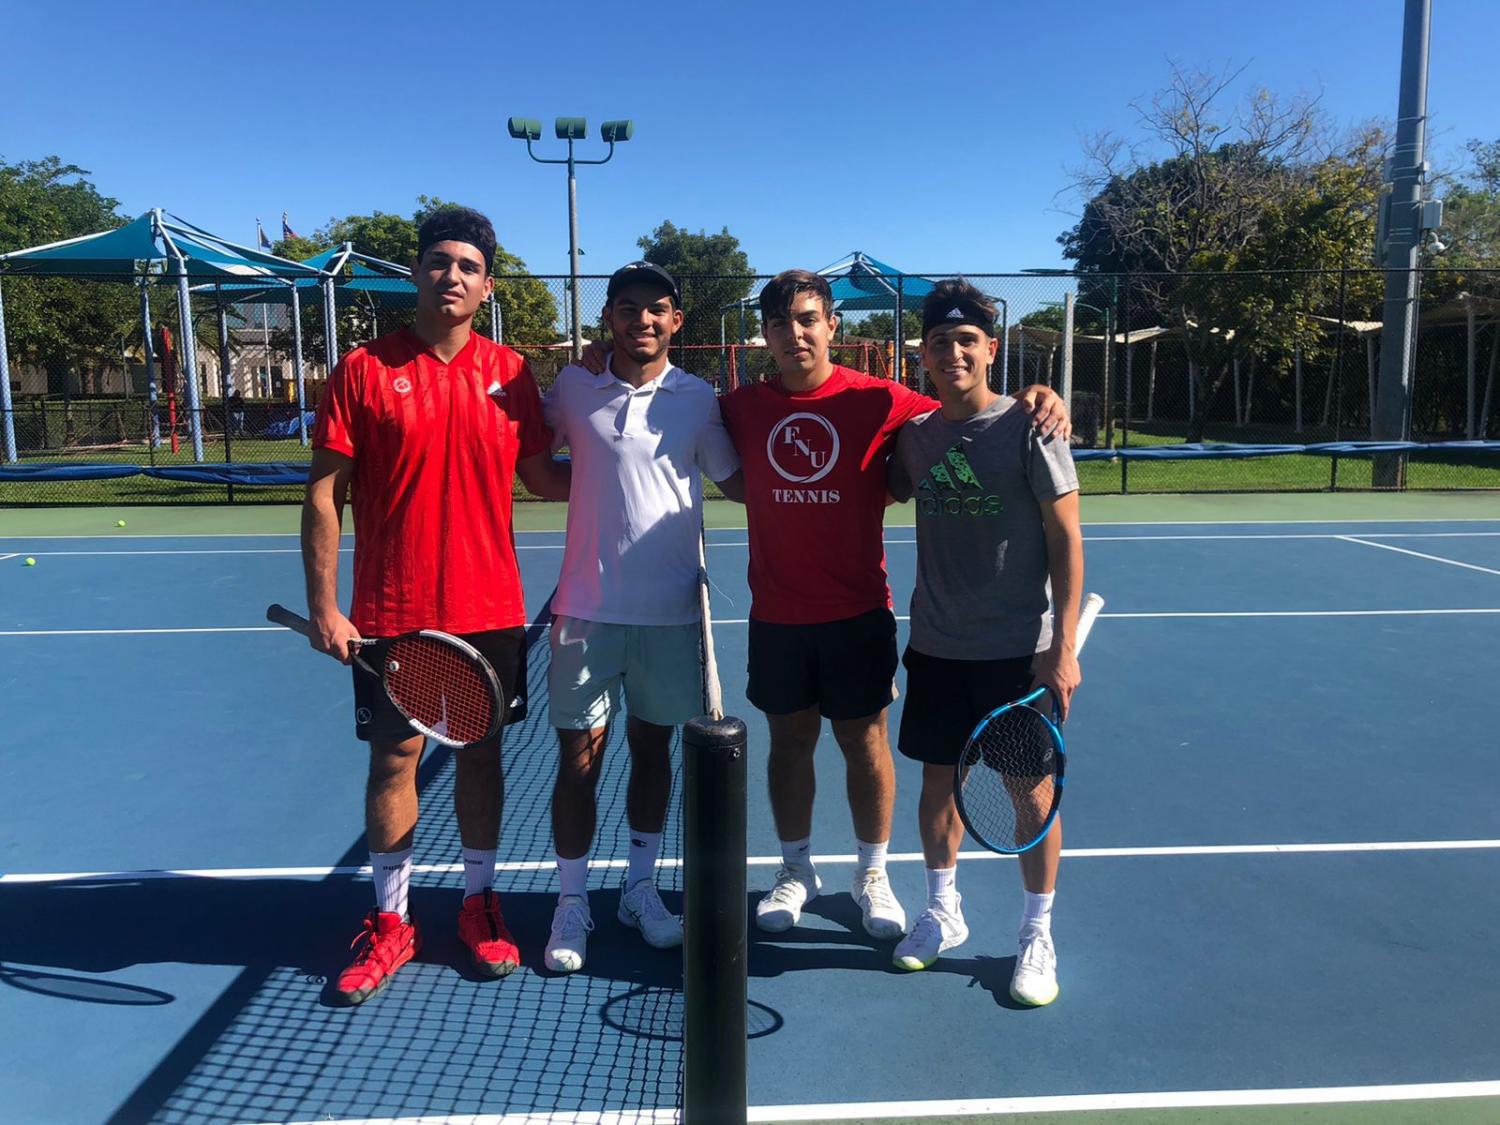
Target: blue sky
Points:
(936, 137)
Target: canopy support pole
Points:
(297, 363)
(189, 359)
(5, 405)
(330, 332)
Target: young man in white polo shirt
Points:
(626, 609)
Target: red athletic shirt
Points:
(434, 454)
(815, 492)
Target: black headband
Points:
(960, 310)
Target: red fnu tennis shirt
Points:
(435, 447)
(815, 492)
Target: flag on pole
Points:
(286, 230)
(260, 234)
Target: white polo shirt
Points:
(636, 503)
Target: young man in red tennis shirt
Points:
(427, 426)
(814, 444)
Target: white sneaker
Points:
(878, 907)
(1035, 978)
(934, 933)
(568, 943)
(781, 907)
(641, 908)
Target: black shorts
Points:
(376, 718)
(945, 699)
(846, 668)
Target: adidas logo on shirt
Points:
(951, 488)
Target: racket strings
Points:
(441, 688)
(1009, 785)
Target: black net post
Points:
(714, 922)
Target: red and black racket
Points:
(440, 683)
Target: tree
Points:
(65, 326)
(1217, 227)
(1471, 222)
(713, 272)
(878, 325)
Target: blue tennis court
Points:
(1278, 887)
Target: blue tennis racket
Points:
(1008, 783)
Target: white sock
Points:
(872, 855)
(479, 870)
(1038, 911)
(797, 854)
(644, 848)
(392, 872)
(942, 888)
(573, 876)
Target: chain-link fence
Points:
(112, 402)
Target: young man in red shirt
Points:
(814, 443)
(427, 426)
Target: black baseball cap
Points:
(647, 273)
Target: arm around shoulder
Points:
(544, 476)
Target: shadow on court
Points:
(437, 1042)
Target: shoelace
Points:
(928, 930)
(575, 920)
(369, 936)
(1037, 954)
(787, 887)
(877, 889)
(651, 906)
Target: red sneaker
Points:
(482, 929)
(388, 943)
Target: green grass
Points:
(1275, 473)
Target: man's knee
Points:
(580, 756)
(863, 738)
(389, 759)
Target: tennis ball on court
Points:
(119, 523)
(30, 561)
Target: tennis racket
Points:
(441, 684)
(713, 701)
(1008, 783)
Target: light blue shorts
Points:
(656, 667)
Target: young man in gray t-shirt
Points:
(998, 541)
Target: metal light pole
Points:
(1403, 230)
(571, 129)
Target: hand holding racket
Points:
(1008, 783)
(441, 684)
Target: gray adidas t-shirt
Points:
(982, 590)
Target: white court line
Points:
(1164, 615)
(7, 558)
(521, 866)
(971, 1107)
(1062, 1103)
(888, 527)
(739, 543)
(1288, 535)
(1419, 554)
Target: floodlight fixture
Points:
(571, 129)
(525, 128)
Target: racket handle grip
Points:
(1092, 604)
(280, 615)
